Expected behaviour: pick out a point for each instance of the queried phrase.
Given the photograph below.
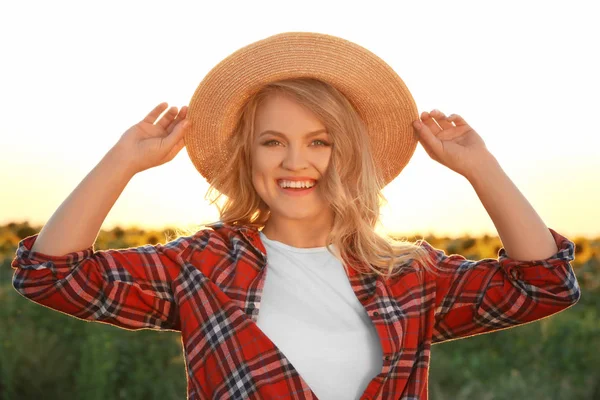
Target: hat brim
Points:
(376, 91)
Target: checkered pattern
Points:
(208, 287)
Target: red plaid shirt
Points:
(208, 287)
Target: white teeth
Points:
(296, 184)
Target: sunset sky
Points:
(524, 75)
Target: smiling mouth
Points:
(296, 184)
(291, 187)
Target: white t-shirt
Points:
(309, 311)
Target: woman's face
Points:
(290, 145)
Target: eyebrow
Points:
(309, 134)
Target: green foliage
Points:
(50, 355)
(554, 358)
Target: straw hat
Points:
(375, 90)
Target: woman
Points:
(297, 135)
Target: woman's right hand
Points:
(151, 143)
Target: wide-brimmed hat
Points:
(375, 90)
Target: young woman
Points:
(292, 294)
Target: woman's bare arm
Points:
(74, 226)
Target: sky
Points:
(524, 75)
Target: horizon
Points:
(73, 87)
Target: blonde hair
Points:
(353, 189)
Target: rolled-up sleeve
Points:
(474, 297)
(129, 288)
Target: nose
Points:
(295, 158)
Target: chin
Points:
(295, 214)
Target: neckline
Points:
(287, 247)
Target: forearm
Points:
(74, 226)
(522, 232)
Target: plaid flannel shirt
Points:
(208, 287)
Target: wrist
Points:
(116, 156)
(482, 167)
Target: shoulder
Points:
(419, 258)
(217, 237)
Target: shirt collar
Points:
(252, 236)
(250, 233)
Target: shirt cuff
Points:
(27, 259)
(565, 254)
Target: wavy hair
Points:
(352, 189)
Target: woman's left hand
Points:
(451, 142)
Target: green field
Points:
(49, 355)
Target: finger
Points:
(174, 151)
(457, 119)
(173, 124)
(167, 118)
(178, 133)
(151, 117)
(180, 117)
(183, 112)
(430, 123)
(429, 141)
(441, 119)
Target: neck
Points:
(301, 233)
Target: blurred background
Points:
(76, 75)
